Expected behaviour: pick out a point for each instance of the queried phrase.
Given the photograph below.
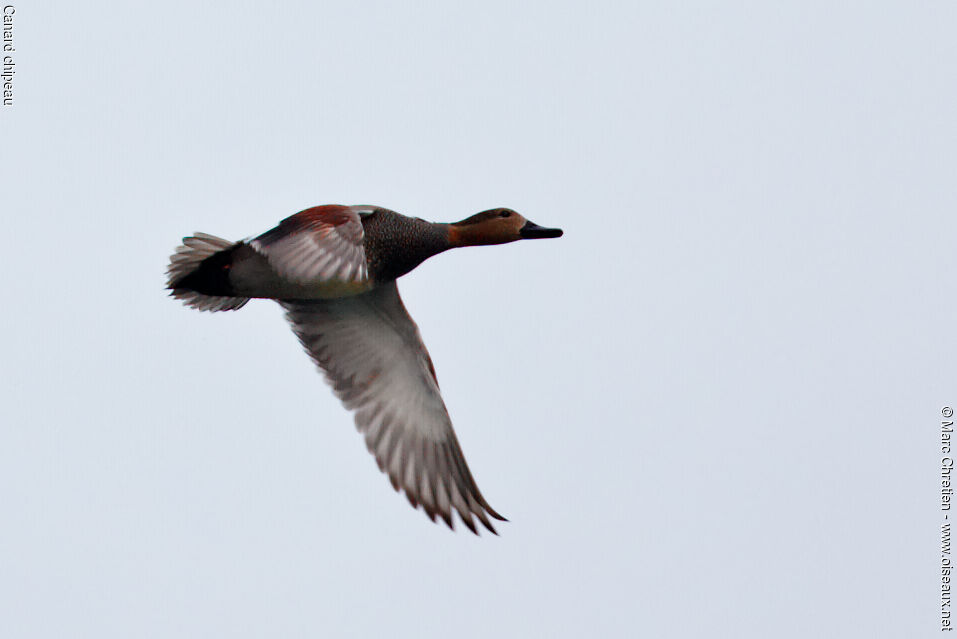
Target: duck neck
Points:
(430, 239)
(395, 246)
(435, 240)
(463, 235)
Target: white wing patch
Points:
(317, 245)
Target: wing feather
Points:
(320, 244)
(375, 361)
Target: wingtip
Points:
(490, 527)
(469, 524)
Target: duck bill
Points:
(532, 231)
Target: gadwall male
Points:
(333, 268)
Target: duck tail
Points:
(198, 273)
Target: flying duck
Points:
(333, 269)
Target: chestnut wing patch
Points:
(320, 244)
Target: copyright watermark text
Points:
(947, 476)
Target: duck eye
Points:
(505, 214)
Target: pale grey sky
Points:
(710, 410)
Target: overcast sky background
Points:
(711, 409)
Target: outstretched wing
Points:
(319, 244)
(374, 359)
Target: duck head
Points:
(497, 226)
